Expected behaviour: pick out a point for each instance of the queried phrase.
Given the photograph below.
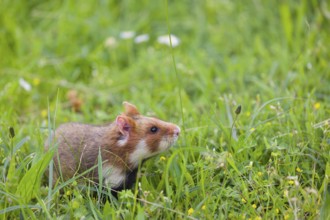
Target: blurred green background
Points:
(246, 49)
(272, 57)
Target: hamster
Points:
(122, 144)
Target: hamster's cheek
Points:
(164, 144)
(141, 151)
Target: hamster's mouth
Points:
(167, 142)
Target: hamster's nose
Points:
(177, 131)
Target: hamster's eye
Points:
(153, 129)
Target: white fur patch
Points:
(112, 176)
(121, 143)
(166, 142)
(141, 152)
(163, 144)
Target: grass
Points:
(272, 58)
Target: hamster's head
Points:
(142, 137)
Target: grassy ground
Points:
(270, 57)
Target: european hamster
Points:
(123, 144)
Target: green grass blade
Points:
(30, 183)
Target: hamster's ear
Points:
(130, 109)
(124, 125)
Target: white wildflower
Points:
(292, 177)
(311, 191)
(110, 42)
(141, 38)
(165, 39)
(24, 84)
(309, 66)
(127, 34)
